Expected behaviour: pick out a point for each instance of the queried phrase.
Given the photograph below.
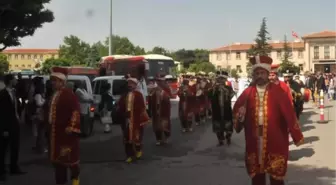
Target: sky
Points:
(176, 24)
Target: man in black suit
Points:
(9, 127)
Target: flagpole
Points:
(111, 30)
(227, 59)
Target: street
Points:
(191, 158)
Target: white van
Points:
(87, 127)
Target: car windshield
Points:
(73, 82)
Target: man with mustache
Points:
(265, 113)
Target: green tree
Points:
(234, 73)
(19, 19)
(4, 64)
(201, 55)
(101, 48)
(186, 57)
(123, 46)
(202, 66)
(262, 47)
(286, 64)
(51, 62)
(75, 50)
(159, 50)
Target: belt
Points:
(260, 130)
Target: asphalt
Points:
(191, 158)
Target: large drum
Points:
(306, 95)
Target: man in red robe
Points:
(64, 119)
(133, 117)
(265, 113)
(185, 107)
(159, 102)
(273, 77)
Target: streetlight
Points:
(110, 36)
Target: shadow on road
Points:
(308, 140)
(295, 155)
(309, 175)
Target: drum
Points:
(306, 95)
(199, 92)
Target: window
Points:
(219, 56)
(72, 83)
(119, 87)
(300, 55)
(279, 54)
(98, 86)
(247, 56)
(22, 57)
(16, 65)
(290, 54)
(52, 56)
(35, 56)
(238, 55)
(16, 56)
(10, 65)
(228, 56)
(316, 52)
(41, 57)
(301, 67)
(239, 68)
(29, 65)
(9, 57)
(326, 52)
(23, 65)
(29, 56)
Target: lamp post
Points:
(110, 35)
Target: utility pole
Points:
(110, 35)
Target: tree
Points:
(202, 66)
(51, 62)
(123, 46)
(101, 48)
(186, 57)
(201, 55)
(75, 50)
(159, 50)
(234, 73)
(19, 19)
(286, 64)
(4, 64)
(262, 47)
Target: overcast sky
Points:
(175, 24)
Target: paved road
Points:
(190, 159)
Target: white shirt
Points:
(142, 88)
(84, 100)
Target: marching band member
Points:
(64, 118)
(263, 111)
(159, 100)
(220, 97)
(133, 118)
(296, 93)
(200, 111)
(185, 106)
(273, 77)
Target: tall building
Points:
(26, 59)
(315, 52)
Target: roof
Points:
(245, 47)
(323, 34)
(109, 77)
(156, 57)
(31, 51)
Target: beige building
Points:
(316, 52)
(27, 59)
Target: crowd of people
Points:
(261, 110)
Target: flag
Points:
(295, 35)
